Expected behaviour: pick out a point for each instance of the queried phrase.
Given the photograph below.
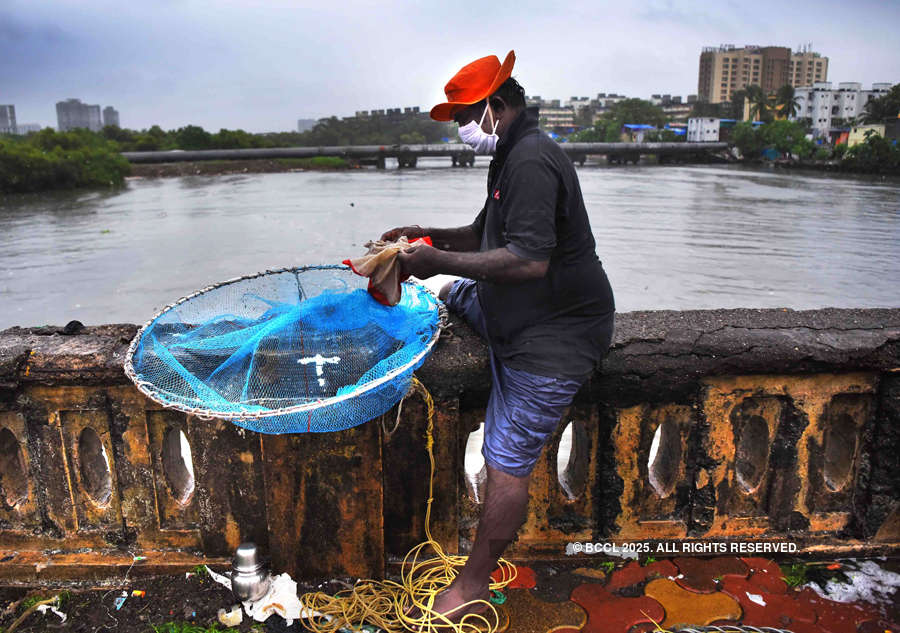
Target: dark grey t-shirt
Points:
(560, 325)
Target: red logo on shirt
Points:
(496, 194)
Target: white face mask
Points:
(479, 140)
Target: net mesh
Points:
(288, 351)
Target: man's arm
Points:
(498, 265)
(464, 239)
(461, 239)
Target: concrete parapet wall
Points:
(760, 423)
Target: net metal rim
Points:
(152, 391)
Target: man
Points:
(533, 288)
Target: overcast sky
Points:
(260, 65)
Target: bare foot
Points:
(449, 603)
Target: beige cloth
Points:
(380, 265)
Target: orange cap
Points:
(473, 82)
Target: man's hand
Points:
(411, 233)
(422, 261)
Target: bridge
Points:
(460, 154)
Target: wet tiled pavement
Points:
(676, 593)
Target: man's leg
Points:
(523, 412)
(505, 504)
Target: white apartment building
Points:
(703, 129)
(822, 104)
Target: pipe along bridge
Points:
(459, 153)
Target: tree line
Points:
(374, 130)
(49, 160)
(875, 155)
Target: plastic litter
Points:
(138, 593)
(119, 601)
(867, 581)
(281, 599)
(46, 607)
(231, 617)
(755, 597)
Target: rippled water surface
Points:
(669, 237)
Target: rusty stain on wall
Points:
(652, 505)
(786, 417)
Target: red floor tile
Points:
(610, 614)
(699, 574)
(766, 574)
(633, 574)
(837, 617)
(781, 610)
(525, 578)
(877, 626)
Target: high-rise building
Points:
(726, 69)
(72, 113)
(110, 116)
(808, 67)
(8, 119)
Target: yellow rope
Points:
(384, 603)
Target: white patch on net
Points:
(320, 361)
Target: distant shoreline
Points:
(250, 166)
(324, 163)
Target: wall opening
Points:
(474, 466)
(665, 458)
(572, 460)
(752, 453)
(840, 449)
(96, 477)
(178, 465)
(13, 481)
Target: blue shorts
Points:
(524, 409)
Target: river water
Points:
(669, 237)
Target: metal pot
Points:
(250, 577)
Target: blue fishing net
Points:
(286, 351)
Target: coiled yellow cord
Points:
(385, 603)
